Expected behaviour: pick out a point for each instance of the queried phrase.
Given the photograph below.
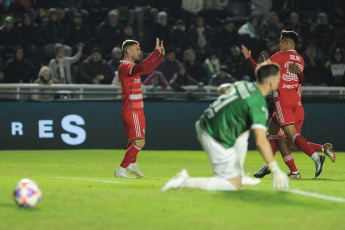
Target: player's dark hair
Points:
(127, 44)
(289, 35)
(266, 70)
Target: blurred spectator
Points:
(114, 62)
(193, 67)
(44, 78)
(269, 32)
(337, 67)
(78, 31)
(30, 39)
(261, 9)
(8, 38)
(227, 36)
(72, 7)
(128, 33)
(250, 27)
(161, 29)
(221, 77)
(200, 37)
(191, 9)
(285, 8)
(42, 8)
(169, 65)
(94, 69)
(315, 72)
(18, 69)
(211, 64)
(179, 39)
(110, 33)
(324, 35)
(214, 11)
(295, 25)
(60, 66)
(237, 63)
(181, 78)
(52, 33)
(337, 19)
(144, 9)
(156, 78)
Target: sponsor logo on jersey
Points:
(137, 80)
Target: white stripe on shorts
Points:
(135, 96)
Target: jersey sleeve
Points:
(258, 116)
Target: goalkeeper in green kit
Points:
(224, 126)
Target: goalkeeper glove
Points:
(280, 179)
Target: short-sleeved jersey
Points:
(132, 95)
(289, 82)
(241, 108)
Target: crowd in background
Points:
(79, 41)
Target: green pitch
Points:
(69, 202)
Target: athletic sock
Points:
(130, 156)
(302, 143)
(316, 147)
(209, 184)
(289, 161)
(273, 140)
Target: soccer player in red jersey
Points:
(132, 101)
(286, 98)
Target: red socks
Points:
(303, 144)
(130, 156)
(290, 163)
(316, 147)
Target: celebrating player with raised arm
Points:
(287, 100)
(223, 124)
(132, 101)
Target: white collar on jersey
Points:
(125, 61)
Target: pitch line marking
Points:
(317, 195)
(105, 181)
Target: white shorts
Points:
(224, 161)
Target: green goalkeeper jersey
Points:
(242, 107)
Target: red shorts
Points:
(299, 119)
(134, 124)
(285, 110)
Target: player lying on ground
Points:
(132, 101)
(221, 128)
(286, 98)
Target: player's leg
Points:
(287, 157)
(225, 164)
(241, 147)
(273, 129)
(134, 125)
(303, 144)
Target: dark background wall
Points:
(169, 125)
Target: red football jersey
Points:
(132, 95)
(289, 82)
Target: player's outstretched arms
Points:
(280, 179)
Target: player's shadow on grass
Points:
(266, 198)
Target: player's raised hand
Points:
(157, 44)
(264, 58)
(162, 50)
(293, 68)
(280, 180)
(247, 53)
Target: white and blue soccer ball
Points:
(27, 193)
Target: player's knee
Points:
(140, 143)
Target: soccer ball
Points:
(27, 193)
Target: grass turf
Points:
(139, 203)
